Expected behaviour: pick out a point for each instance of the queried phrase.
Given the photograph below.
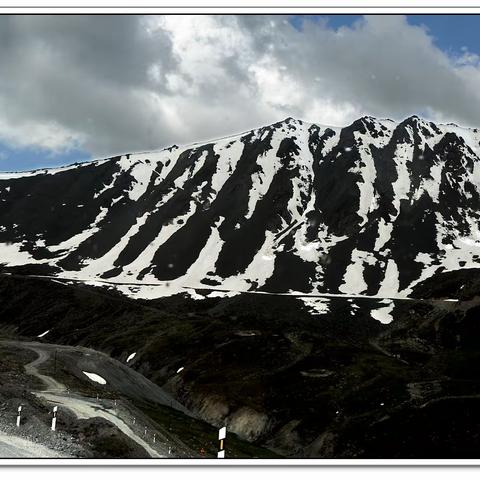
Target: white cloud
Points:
(47, 135)
(113, 84)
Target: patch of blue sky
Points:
(332, 21)
(451, 33)
(21, 159)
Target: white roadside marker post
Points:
(54, 419)
(19, 415)
(222, 433)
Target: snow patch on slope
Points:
(95, 378)
(383, 314)
(354, 282)
(12, 255)
(317, 306)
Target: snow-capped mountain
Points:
(370, 209)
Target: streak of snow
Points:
(391, 283)
(365, 167)
(206, 259)
(384, 234)
(229, 154)
(104, 263)
(146, 257)
(401, 186)
(141, 174)
(259, 270)
(331, 141)
(108, 186)
(432, 185)
(261, 181)
(354, 282)
(191, 171)
(79, 238)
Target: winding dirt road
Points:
(31, 369)
(81, 406)
(17, 447)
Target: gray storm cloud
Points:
(111, 84)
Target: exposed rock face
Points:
(249, 423)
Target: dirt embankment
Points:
(88, 426)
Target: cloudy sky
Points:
(79, 87)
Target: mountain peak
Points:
(265, 210)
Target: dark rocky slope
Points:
(335, 385)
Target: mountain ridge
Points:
(289, 207)
(6, 173)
